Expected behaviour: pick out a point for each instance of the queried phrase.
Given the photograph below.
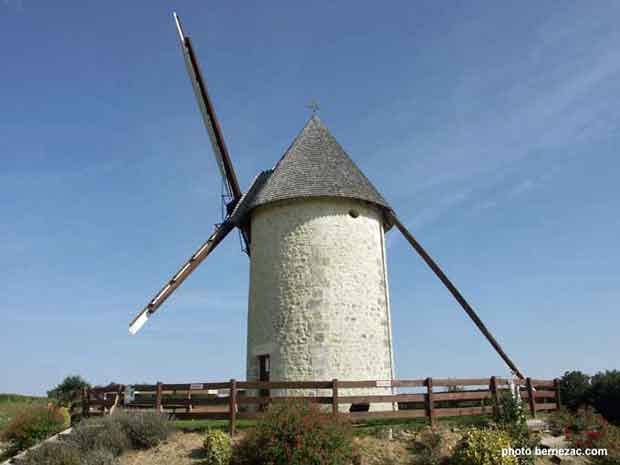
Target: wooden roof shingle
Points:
(315, 165)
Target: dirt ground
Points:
(179, 449)
(186, 449)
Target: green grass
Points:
(368, 428)
(198, 426)
(12, 405)
(371, 427)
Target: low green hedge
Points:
(99, 441)
(296, 433)
(35, 424)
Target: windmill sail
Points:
(190, 265)
(455, 292)
(209, 117)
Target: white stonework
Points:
(318, 301)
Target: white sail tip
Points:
(177, 21)
(136, 325)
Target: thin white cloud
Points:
(537, 111)
(18, 5)
(429, 215)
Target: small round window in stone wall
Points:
(354, 213)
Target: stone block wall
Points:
(319, 303)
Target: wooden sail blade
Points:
(190, 265)
(455, 293)
(209, 117)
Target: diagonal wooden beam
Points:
(454, 291)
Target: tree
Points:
(66, 389)
(605, 395)
(574, 389)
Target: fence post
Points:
(85, 403)
(232, 406)
(188, 409)
(158, 395)
(558, 397)
(494, 396)
(429, 400)
(334, 397)
(530, 396)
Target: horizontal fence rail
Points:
(234, 400)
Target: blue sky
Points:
(491, 128)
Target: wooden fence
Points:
(233, 400)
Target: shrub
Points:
(483, 447)
(296, 433)
(574, 389)
(609, 439)
(33, 425)
(144, 429)
(513, 420)
(99, 457)
(559, 420)
(69, 386)
(584, 421)
(605, 395)
(427, 447)
(53, 453)
(100, 433)
(67, 453)
(66, 417)
(217, 447)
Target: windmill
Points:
(314, 228)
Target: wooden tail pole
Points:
(455, 292)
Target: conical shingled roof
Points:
(315, 165)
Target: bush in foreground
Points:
(99, 457)
(427, 447)
(483, 447)
(99, 441)
(513, 420)
(587, 430)
(53, 453)
(218, 449)
(608, 439)
(35, 424)
(296, 433)
(144, 429)
(67, 453)
(105, 433)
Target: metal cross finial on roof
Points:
(313, 106)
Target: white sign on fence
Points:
(196, 387)
(130, 395)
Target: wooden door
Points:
(264, 367)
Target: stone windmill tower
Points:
(319, 301)
(314, 228)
